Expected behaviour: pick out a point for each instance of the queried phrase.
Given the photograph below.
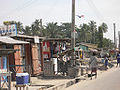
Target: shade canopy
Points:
(9, 40)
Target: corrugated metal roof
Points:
(30, 37)
(57, 39)
(89, 45)
(8, 40)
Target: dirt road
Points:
(109, 80)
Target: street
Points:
(109, 80)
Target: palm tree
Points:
(66, 29)
(37, 28)
(101, 29)
(100, 37)
(27, 30)
(52, 30)
(104, 27)
(93, 29)
(84, 33)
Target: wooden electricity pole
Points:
(72, 30)
(114, 35)
(119, 40)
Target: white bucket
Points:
(55, 64)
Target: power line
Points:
(95, 10)
(25, 5)
(51, 9)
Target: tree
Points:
(84, 33)
(107, 43)
(100, 37)
(104, 27)
(37, 28)
(93, 29)
(66, 29)
(52, 30)
(101, 29)
(27, 30)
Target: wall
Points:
(35, 59)
(18, 58)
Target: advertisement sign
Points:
(8, 30)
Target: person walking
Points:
(93, 64)
(118, 59)
(106, 60)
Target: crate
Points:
(22, 78)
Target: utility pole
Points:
(72, 31)
(114, 35)
(119, 40)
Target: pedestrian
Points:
(93, 64)
(106, 60)
(118, 59)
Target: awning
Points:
(8, 40)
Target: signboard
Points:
(36, 39)
(8, 30)
(74, 34)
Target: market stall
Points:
(5, 74)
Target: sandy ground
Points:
(108, 80)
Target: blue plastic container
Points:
(102, 60)
(22, 78)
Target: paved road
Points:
(109, 80)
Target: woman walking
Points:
(93, 64)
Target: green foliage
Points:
(93, 29)
(36, 28)
(66, 29)
(84, 33)
(88, 33)
(107, 43)
(100, 37)
(27, 30)
(52, 30)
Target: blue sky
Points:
(27, 11)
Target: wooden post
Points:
(0, 83)
(42, 61)
(9, 76)
(72, 30)
(29, 71)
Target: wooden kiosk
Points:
(6, 73)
